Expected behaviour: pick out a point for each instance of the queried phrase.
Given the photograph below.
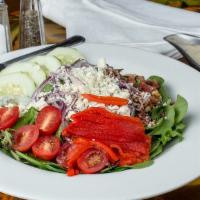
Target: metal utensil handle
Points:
(77, 39)
(180, 41)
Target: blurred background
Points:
(55, 33)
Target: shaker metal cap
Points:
(2, 1)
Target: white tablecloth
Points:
(137, 23)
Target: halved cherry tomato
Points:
(25, 137)
(8, 117)
(46, 147)
(92, 161)
(48, 120)
(109, 152)
(108, 100)
(74, 152)
(71, 152)
(97, 145)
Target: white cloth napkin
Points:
(137, 23)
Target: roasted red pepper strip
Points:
(100, 124)
(72, 172)
(132, 153)
(122, 138)
(107, 100)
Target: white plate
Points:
(177, 166)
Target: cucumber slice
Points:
(66, 55)
(33, 70)
(18, 84)
(47, 63)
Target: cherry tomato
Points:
(25, 137)
(8, 117)
(46, 147)
(92, 161)
(48, 120)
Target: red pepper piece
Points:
(100, 124)
(107, 100)
(72, 153)
(125, 135)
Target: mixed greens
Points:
(169, 116)
(44, 77)
(168, 129)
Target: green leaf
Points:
(5, 139)
(162, 128)
(136, 166)
(170, 114)
(167, 122)
(108, 169)
(47, 88)
(140, 165)
(181, 107)
(157, 112)
(167, 137)
(39, 163)
(157, 151)
(155, 144)
(176, 134)
(28, 118)
(180, 127)
(154, 126)
(14, 155)
(163, 92)
(158, 79)
(59, 132)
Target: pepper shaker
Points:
(5, 37)
(31, 24)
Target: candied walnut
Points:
(155, 97)
(110, 71)
(153, 83)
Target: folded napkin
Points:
(137, 23)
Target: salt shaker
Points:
(31, 24)
(5, 38)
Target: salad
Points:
(61, 113)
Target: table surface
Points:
(55, 33)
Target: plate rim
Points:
(136, 49)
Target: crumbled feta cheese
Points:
(124, 110)
(96, 82)
(83, 80)
(145, 96)
(41, 103)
